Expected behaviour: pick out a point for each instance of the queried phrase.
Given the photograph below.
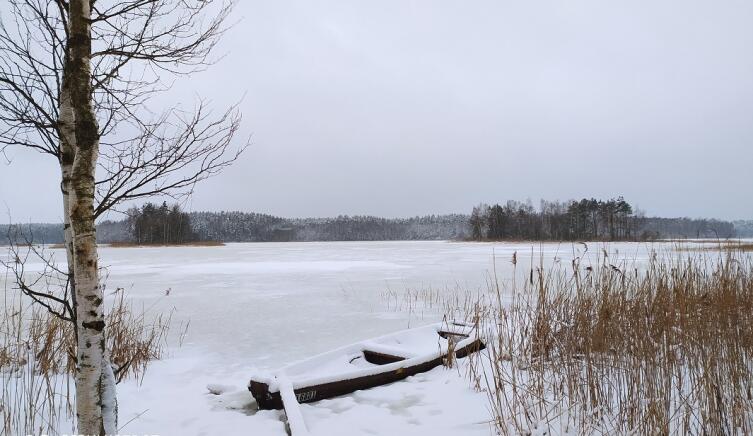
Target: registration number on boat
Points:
(305, 396)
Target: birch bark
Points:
(66, 129)
(95, 396)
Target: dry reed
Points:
(37, 359)
(659, 350)
(664, 347)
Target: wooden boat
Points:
(367, 364)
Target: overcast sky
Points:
(399, 107)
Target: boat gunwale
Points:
(360, 347)
(267, 394)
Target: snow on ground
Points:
(174, 400)
(255, 307)
(438, 402)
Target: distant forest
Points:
(586, 219)
(152, 224)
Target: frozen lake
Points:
(257, 306)
(265, 304)
(270, 303)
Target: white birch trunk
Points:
(95, 394)
(66, 129)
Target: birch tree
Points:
(94, 383)
(75, 78)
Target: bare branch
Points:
(137, 43)
(169, 163)
(49, 277)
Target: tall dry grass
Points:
(37, 359)
(657, 347)
(661, 349)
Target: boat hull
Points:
(306, 394)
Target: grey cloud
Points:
(428, 106)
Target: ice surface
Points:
(256, 307)
(269, 304)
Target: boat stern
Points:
(264, 398)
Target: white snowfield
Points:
(257, 307)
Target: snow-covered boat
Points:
(367, 364)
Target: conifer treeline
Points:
(585, 220)
(151, 224)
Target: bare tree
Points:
(75, 77)
(136, 44)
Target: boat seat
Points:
(397, 353)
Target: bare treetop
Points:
(139, 46)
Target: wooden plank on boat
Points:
(296, 426)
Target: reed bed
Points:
(661, 347)
(37, 359)
(730, 246)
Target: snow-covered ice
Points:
(255, 307)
